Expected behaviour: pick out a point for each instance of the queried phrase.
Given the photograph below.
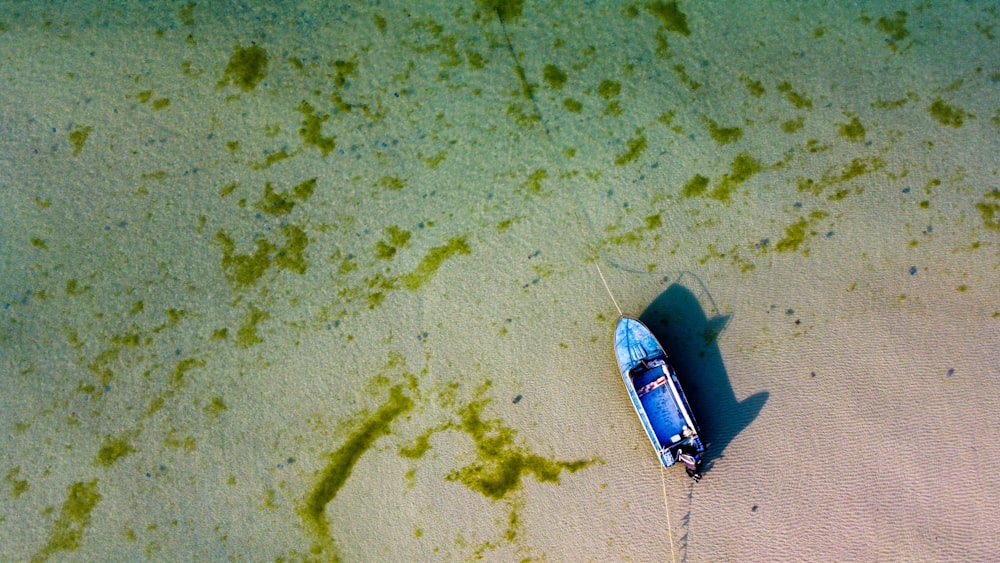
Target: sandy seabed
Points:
(319, 282)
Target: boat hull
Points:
(655, 391)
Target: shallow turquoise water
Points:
(229, 232)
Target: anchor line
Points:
(578, 213)
(666, 508)
(611, 295)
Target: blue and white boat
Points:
(656, 393)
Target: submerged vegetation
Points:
(341, 463)
(500, 464)
(74, 518)
(246, 68)
(497, 472)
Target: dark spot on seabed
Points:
(517, 399)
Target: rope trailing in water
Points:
(666, 507)
(611, 295)
(577, 212)
(529, 94)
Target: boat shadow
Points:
(688, 336)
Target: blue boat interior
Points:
(653, 389)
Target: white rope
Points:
(605, 282)
(666, 507)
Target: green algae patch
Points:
(272, 159)
(501, 464)
(798, 100)
(215, 407)
(392, 183)
(17, 486)
(793, 125)
(344, 69)
(797, 233)
(944, 114)
(572, 105)
(671, 17)
(990, 210)
(754, 87)
(742, 169)
(506, 10)
(397, 238)
(113, 449)
(422, 444)
(244, 270)
(894, 27)
(505, 224)
(341, 463)
(247, 67)
(377, 286)
(652, 223)
(78, 137)
(609, 89)
(181, 369)
(67, 532)
(723, 135)
(636, 146)
(555, 78)
(274, 203)
(893, 104)
(73, 288)
(247, 335)
(859, 167)
(835, 176)
(280, 203)
(696, 186)
(853, 131)
(685, 78)
(292, 255)
(432, 261)
(794, 236)
(533, 185)
(433, 161)
(185, 14)
(311, 130)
